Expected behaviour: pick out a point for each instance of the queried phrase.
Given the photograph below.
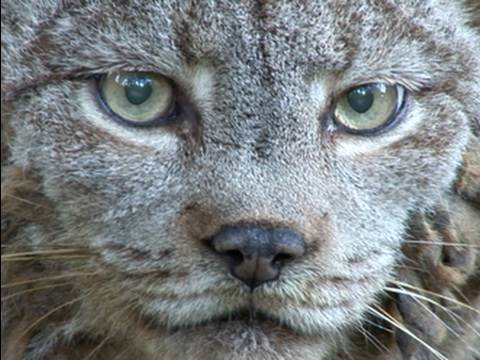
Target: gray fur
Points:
(261, 149)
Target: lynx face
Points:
(242, 174)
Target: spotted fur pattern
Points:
(103, 225)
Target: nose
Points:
(257, 254)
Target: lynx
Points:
(240, 179)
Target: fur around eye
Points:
(137, 98)
(369, 108)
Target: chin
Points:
(237, 338)
(257, 325)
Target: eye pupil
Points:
(137, 89)
(360, 99)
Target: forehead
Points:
(411, 40)
(325, 34)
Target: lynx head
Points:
(241, 173)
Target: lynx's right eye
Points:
(137, 98)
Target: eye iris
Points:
(138, 89)
(360, 99)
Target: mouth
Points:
(246, 331)
(262, 317)
(247, 318)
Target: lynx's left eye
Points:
(369, 108)
(137, 98)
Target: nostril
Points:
(281, 258)
(236, 257)
(256, 254)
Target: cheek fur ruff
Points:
(434, 296)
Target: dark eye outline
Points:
(170, 115)
(395, 118)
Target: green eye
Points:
(137, 98)
(368, 108)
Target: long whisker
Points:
(19, 293)
(411, 268)
(388, 318)
(413, 262)
(49, 313)
(378, 326)
(47, 278)
(31, 258)
(418, 296)
(449, 328)
(372, 339)
(461, 294)
(433, 302)
(48, 246)
(39, 252)
(97, 348)
(26, 201)
(447, 298)
(475, 246)
(106, 339)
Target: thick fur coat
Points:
(103, 224)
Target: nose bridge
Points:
(256, 241)
(246, 192)
(253, 165)
(264, 241)
(259, 104)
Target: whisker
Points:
(388, 318)
(97, 348)
(39, 252)
(461, 294)
(45, 316)
(347, 354)
(378, 326)
(19, 293)
(475, 246)
(33, 258)
(373, 340)
(413, 262)
(419, 269)
(449, 328)
(433, 302)
(26, 201)
(47, 246)
(447, 298)
(57, 277)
